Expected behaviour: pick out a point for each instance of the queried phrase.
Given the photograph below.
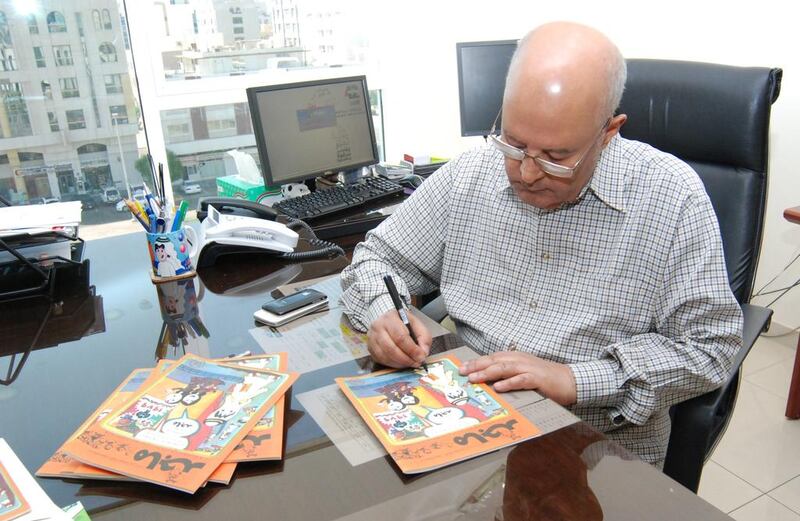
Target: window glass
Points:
(114, 83)
(69, 87)
(56, 22)
(53, 119)
(63, 55)
(108, 53)
(38, 55)
(75, 120)
(258, 42)
(33, 25)
(64, 101)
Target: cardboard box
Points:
(235, 186)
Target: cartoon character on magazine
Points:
(174, 432)
(398, 396)
(240, 395)
(402, 425)
(168, 264)
(449, 392)
(447, 419)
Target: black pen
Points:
(398, 304)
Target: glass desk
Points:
(573, 473)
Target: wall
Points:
(418, 74)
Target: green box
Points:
(235, 186)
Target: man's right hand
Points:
(390, 344)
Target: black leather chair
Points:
(716, 118)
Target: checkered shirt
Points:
(627, 285)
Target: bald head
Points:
(564, 67)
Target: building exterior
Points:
(68, 113)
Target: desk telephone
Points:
(238, 226)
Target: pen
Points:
(179, 216)
(398, 304)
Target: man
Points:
(583, 265)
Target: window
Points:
(177, 125)
(69, 87)
(47, 91)
(51, 116)
(7, 60)
(98, 25)
(106, 19)
(108, 53)
(39, 57)
(16, 110)
(33, 26)
(238, 30)
(113, 83)
(75, 120)
(221, 120)
(56, 22)
(63, 55)
(5, 33)
(237, 19)
(119, 114)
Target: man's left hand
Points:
(513, 371)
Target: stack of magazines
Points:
(182, 424)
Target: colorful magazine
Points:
(429, 420)
(184, 425)
(61, 465)
(265, 441)
(12, 503)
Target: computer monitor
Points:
(482, 68)
(311, 128)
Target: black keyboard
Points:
(338, 198)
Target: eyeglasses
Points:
(548, 167)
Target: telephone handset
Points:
(237, 230)
(234, 226)
(227, 205)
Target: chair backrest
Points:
(716, 118)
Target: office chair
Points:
(716, 118)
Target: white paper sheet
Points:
(314, 341)
(39, 216)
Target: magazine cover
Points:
(61, 465)
(12, 504)
(184, 425)
(265, 441)
(427, 420)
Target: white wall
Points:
(418, 77)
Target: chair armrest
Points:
(435, 309)
(698, 424)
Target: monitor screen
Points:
(482, 68)
(310, 128)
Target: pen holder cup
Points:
(172, 254)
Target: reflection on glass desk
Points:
(573, 473)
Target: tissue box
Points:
(235, 186)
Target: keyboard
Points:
(338, 198)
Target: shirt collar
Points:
(607, 183)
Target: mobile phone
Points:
(271, 319)
(298, 300)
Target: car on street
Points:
(43, 200)
(137, 196)
(190, 187)
(87, 201)
(109, 195)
